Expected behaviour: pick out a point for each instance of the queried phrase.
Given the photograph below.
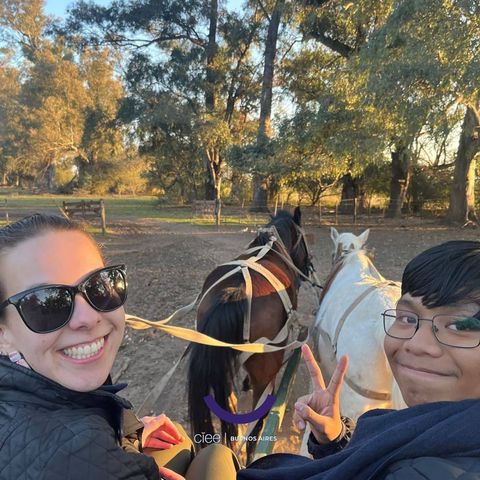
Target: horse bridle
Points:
(310, 269)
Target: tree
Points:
(462, 195)
(103, 139)
(264, 135)
(64, 105)
(10, 116)
(194, 52)
(346, 29)
(431, 67)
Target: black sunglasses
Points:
(47, 308)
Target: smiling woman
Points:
(61, 325)
(433, 346)
(62, 321)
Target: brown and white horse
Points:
(222, 314)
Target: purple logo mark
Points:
(229, 417)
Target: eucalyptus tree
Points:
(197, 54)
(64, 103)
(329, 76)
(426, 68)
(10, 117)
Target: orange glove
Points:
(168, 474)
(159, 432)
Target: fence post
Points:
(355, 211)
(103, 216)
(276, 206)
(319, 211)
(336, 213)
(6, 212)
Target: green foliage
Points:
(428, 186)
(189, 76)
(60, 108)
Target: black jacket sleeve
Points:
(320, 451)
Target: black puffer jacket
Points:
(48, 432)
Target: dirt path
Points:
(167, 265)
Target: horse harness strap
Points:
(261, 345)
(364, 392)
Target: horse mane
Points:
(331, 277)
(368, 255)
(282, 221)
(340, 263)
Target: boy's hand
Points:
(321, 408)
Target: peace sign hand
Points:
(321, 408)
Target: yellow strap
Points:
(262, 345)
(193, 336)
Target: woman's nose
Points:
(84, 315)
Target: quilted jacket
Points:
(48, 432)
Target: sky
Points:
(59, 7)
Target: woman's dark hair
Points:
(31, 226)
(445, 274)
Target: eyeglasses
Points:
(461, 331)
(48, 308)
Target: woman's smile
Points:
(86, 352)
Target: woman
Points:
(432, 345)
(61, 324)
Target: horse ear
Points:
(364, 236)
(297, 216)
(334, 234)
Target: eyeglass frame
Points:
(73, 290)
(418, 326)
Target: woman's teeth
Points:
(85, 351)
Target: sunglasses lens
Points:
(46, 309)
(107, 289)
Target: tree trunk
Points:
(214, 163)
(209, 180)
(82, 166)
(462, 194)
(51, 180)
(260, 194)
(349, 193)
(400, 179)
(260, 183)
(213, 158)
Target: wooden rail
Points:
(203, 208)
(86, 208)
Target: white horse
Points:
(349, 322)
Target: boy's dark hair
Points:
(445, 274)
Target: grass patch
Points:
(124, 207)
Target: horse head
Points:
(289, 228)
(344, 243)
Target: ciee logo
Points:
(207, 438)
(248, 417)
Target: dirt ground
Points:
(167, 264)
